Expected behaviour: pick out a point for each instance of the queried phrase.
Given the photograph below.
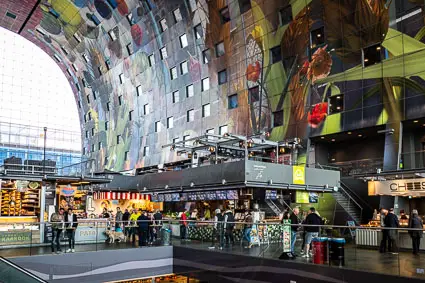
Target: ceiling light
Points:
(333, 140)
(349, 133)
(319, 35)
(415, 121)
(338, 97)
(366, 60)
(378, 48)
(338, 108)
(322, 138)
(333, 159)
(360, 135)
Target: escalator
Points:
(12, 273)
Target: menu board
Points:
(301, 197)
(211, 196)
(232, 194)
(191, 196)
(271, 194)
(154, 198)
(168, 197)
(313, 197)
(160, 198)
(221, 195)
(183, 197)
(175, 197)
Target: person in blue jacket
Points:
(143, 224)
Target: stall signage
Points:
(414, 187)
(298, 175)
(67, 191)
(15, 237)
(90, 234)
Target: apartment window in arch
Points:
(163, 25)
(183, 41)
(275, 54)
(88, 99)
(189, 91)
(177, 15)
(222, 130)
(92, 132)
(163, 52)
(190, 115)
(89, 115)
(278, 118)
(372, 55)
(244, 6)
(285, 15)
(126, 155)
(120, 100)
(170, 122)
(206, 55)
(184, 69)
(87, 134)
(86, 57)
(95, 94)
(79, 104)
(224, 15)
(176, 96)
(121, 76)
(112, 35)
(222, 77)
(77, 85)
(151, 60)
(336, 104)
(219, 49)
(199, 33)
(139, 90)
(106, 125)
(75, 67)
(206, 110)
(130, 115)
(173, 73)
(157, 126)
(205, 84)
(99, 145)
(130, 49)
(118, 139)
(232, 101)
(146, 151)
(92, 147)
(185, 138)
(146, 109)
(130, 19)
(317, 37)
(108, 106)
(253, 94)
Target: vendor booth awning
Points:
(120, 195)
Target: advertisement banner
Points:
(302, 197)
(298, 175)
(405, 187)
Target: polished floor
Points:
(402, 264)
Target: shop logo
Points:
(407, 186)
(67, 191)
(298, 175)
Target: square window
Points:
(184, 67)
(92, 132)
(199, 33)
(120, 100)
(173, 73)
(118, 139)
(336, 104)
(222, 130)
(157, 126)
(285, 15)
(139, 90)
(176, 96)
(372, 55)
(95, 94)
(86, 57)
(130, 19)
(176, 140)
(151, 60)
(79, 104)
(75, 67)
(189, 91)
(275, 54)
(69, 72)
(87, 134)
(163, 25)
(206, 110)
(146, 109)
(183, 41)
(121, 78)
(288, 62)
(126, 155)
(170, 122)
(185, 138)
(278, 118)
(317, 37)
(130, 115)
(92, 147)
(57, 57)
(210, 131)
(85, 118)
(64, 50)
(106, 125)
(232, 101)
(190, 115)
(219, 49)
(244, 6)
(222, 77)
(77, 37)
(108, 106)
(108, 64)
(206, 56)
(77, 85)
(193, 5)
(88, 99)
(89, 115)
(130, 49)
(99, 145)
(177, 15)
(146, 151)
(112, 35)
(224, 15)
(164, 54)
(205, 84)
(85, 84)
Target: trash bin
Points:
(320, 250)
(165, 236)
(336, 252)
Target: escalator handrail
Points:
(17, 267)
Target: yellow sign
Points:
(302, 197)
(298, 175)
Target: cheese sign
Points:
(298, 175)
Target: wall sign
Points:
(15, 237)
(406, 187)
(298, 175)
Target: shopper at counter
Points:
(313, 218)
(105, 213)
(294, 229)
(416, 223)
(125, 220)
(57, 220)
(118, 219)
(229, 222)
(217, 234)
(384, 241)
(133, 223)
(391, 221)
(183, 225)
(71, 224)
(248, 228)
(143, 223)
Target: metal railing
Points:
(12, 273)
(351, 201)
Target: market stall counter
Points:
(91, 230)
(24, 233)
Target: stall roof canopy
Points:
(238, 174)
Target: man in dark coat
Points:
(391, 221)
(416, 223)
(143, 223)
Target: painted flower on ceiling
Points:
(253, 72)
(317, 114)
(320, 65)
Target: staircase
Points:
(347, 202)
(276, 210)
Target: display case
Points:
(16, 203)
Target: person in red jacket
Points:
(183, 225)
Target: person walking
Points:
(294, 228)
(125, 220)
(157, 224)
(391, 221)
(416, 223)
(218, 229)
(71, 224)
(57, 221)
(312, 231)
(118, 220)
(229, 222)
(143, 223)
(384, 242)
(248, 228)
(183, 225)
(134, 227)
